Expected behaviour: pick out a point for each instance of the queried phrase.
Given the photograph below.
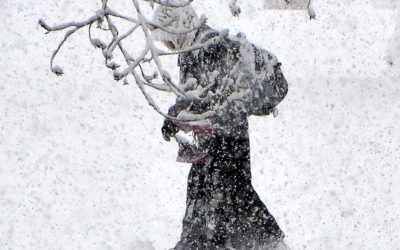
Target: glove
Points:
(169, 129)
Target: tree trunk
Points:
(223, 211)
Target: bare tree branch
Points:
(57, 69)
(149, 54)
(140, 82)
(104, 14)
(111, 12)
(67, 25)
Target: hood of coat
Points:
(180, 21)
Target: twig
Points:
(56, 69)
(67, 25)
(105, 14)
(111, 12)
(114, 43)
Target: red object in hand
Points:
(202, 131)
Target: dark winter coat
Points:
(223, 210)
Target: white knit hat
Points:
(180, 19)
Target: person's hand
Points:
(169, 129)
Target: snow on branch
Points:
(149, 54)
(104, 19)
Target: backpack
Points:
(230, 76)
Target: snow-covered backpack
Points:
(231, 75)
(259, 81)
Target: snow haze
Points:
(83, 164)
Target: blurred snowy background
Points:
(83, 164)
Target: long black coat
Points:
(223, 210)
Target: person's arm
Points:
(169, 128)
(209, 59)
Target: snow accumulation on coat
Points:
(229, 77)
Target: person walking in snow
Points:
(234, 79)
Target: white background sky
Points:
(83, 164)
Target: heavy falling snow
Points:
(83, 164)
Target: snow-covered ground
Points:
(83, 164)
